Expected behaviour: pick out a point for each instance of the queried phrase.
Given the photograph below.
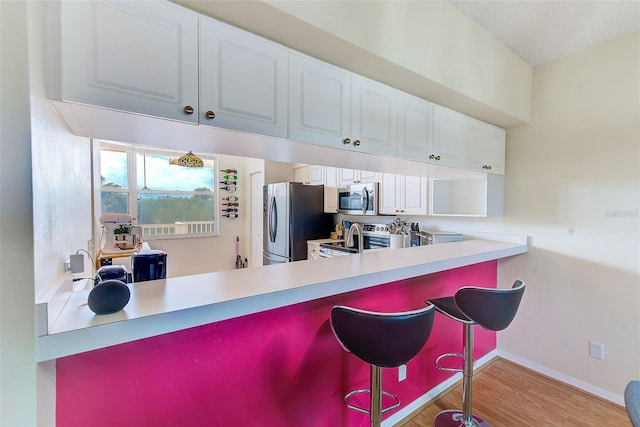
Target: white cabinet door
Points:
(301, 174)
(330, 199)
(367, 176)
(494, 143)
(415, 127)
(415, 200)
(318, 101)
(243, 80)
(140, 57)
(347, 176)
(313, 250)
(403, 195)
(389, 194)
(316, 174)
(373, 116)
(483, 146)
(445, 148)
(309, 174)
(330, 176)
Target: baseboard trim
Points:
(404, 413)
(589, 388)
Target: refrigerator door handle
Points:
(273, 220)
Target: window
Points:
(167, 200)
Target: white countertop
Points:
(172, 304)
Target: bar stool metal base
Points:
(454, 418)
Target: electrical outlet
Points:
(596, 350)
(402, 373)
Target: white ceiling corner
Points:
(542, 31)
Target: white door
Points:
(243, 80)
(257, 182)
(318, 101)
(373, 116)
(140, 57)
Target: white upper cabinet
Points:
(445, 148)
(403, 195)
(336, 108)
(310, 175)
(318, 101)
(243, 80)
(483, 146)
(373, 116)
(354, 176)
(130, 56)
(415, 127)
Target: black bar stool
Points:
(493, 309)
(383, 340)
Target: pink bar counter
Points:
(273, 366)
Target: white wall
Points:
(17, 340)
(573, 185)
(432, 39)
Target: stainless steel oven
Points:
(358, 199)
(374, 236)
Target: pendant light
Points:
(190, 160)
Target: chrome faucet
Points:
(355, 226)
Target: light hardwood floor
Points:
(506, 395)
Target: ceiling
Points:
(542, 31)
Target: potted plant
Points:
(122, 236)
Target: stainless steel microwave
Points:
(358, 199)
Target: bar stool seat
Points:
(383, 340)
(493, 309)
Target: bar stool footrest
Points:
(366, 411)
(443, 356)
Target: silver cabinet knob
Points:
(346, 141)
(210, 115)
(188, 109)
(356, 142)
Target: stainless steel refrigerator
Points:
(293, 214)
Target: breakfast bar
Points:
(254, 346)
(171, 304)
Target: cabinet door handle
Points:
(210, 115)
(188, 109)
(356, 142)
(346, 141)
(437, 157)
(488, 167)
(432, 156)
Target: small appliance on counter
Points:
(433, 237)
(120, 236)
(149, 265)
(112, 272)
